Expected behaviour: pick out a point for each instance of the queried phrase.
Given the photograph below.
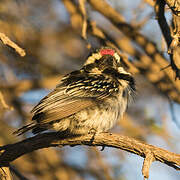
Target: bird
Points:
(89, 100)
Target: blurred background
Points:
(50, 32)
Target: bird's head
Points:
(107, 61)
(104, 58)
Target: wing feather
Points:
(62, 111)
(72, 95)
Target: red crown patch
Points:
(107, 51)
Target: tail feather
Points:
(26, 128)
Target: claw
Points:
(102, 149)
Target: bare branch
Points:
(147, 163)
(4, 104)
(10, 43)
(172, 41)
(10, 152)
(83, 11)
(159, 9)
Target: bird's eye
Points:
(110, 61)
(89, 67)
(97, 61)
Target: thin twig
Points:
(147, 163)
(159, 9)
(83, 11)
(4, 104)
(10, 43)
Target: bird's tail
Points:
(32, 126)
(24, 129)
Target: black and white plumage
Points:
(93, 98)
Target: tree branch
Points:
(10, 152)
(10, 43)
(159, 9)
(172, 42)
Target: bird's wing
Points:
(73, 94)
